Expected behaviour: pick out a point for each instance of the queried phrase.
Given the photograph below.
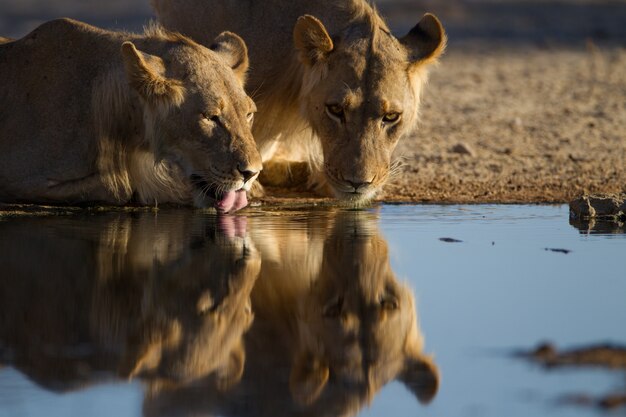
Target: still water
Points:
(392, 311)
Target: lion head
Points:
(359, 327)
(195, 306)
(153, 117)
(162, 297)
(361, 93)
(197, 115)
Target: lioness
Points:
(330, 81)
(90, 115)
(163, 298)
(356, 325)
(332, 326)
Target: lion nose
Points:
(358, 185)
(246, 173)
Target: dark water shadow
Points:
(606, 356)
(288, 314)
(593, 226)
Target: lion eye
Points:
(250, 117)
(391, 117)
(388, 302)
(211, 117)
(336, 111)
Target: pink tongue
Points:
(232, 201)
(241, 200)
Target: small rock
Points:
(450, 240)
(558, 250)
(463, 149)
(517, 124)
(544, 351)
(612, 401)
(589, 206)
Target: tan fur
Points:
(169, 298)
(109, 116)
(349, 294)
(339, 53)
(149, 302)
(189, 326)
(332, 326)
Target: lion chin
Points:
(354, 199)
(346, 195)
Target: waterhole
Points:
(394, 310)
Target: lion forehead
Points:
(359, 73)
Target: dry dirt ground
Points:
(519, 124)
(528, 104)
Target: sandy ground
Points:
(528, 104)
(522, 124)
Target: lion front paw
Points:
(257, 190)
(285, 174)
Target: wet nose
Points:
(246, 173)
(358, 185)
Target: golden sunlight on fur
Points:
(332, 327)
(333, 86)
(165, 298)
(306, 317)
(112, 117)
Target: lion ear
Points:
(308, 378)
(233, 50)
(312, 40)
(421, 376)
(426, 41)
(142, 71)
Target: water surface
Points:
(323, 312)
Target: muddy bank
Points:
(603, 356)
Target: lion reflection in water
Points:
(333, 326)
(165, 297)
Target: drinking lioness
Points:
(90, 115)
(333, 326)
(333, 86)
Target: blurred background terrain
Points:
(528, 104)
(491, 20)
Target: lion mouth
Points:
(348, 191)
(223, 201)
